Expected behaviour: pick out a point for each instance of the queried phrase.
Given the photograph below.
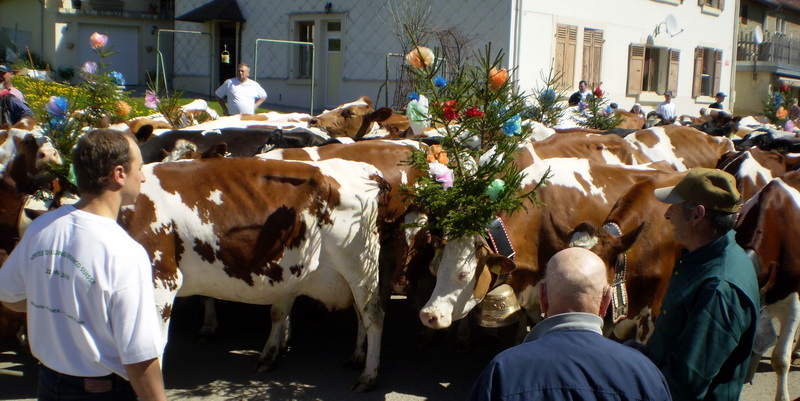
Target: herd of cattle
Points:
(262, 209)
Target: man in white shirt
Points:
(666, 108)
(87, 286)
(243, 94)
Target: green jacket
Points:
(705, 330)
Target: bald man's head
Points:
(575, 281)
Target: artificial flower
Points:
(151, 100)
(420, 56)
(119, 80)
(582, 106)
(781, 113)
(474, 112)
(442, 174)
(784, 88)
(497, 78)
(598, 92)
(413, 96)
(123, 107)
(495, 188)
(418, 114)
(449, 109)
(89, 67)
(437, 154)
(57, 106)
(439, 81)
(789, 126)
(547, 96)
(513, 126)
(97, 40)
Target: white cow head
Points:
(464, 274)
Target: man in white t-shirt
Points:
(666, 108)
(243, 94)
(87, 286)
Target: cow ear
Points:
(499, 264)
(144, 133)
(561, 229)
(381, 114)
(628, 239)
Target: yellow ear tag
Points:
(494, 269)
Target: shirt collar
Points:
(709, 251)
(566, 321)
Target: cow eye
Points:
(463, 276)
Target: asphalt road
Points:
(321, 342)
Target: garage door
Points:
(125, 42)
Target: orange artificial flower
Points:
(420, 56)
(437, 154)
(781, 113)
(497, 78)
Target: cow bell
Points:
(226, 56)
(499, 308)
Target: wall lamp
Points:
(154, 30)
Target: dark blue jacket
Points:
(570, 364)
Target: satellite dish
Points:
(671, 23)
(758, 35)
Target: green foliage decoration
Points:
(478, 116)
(597, 115)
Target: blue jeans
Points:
(55, 386)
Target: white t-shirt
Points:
(667, 110)
(89, 290)
(241, 96)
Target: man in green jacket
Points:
(705, 329)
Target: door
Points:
(333, 60)
(226, 33)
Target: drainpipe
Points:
(734, 47)
(41, 30)
(515, 39)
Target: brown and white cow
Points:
(577, 190)
(682, 147)
(355, 119)
(768, 226)
(265, 232)
(753, 168)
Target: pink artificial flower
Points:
(98, 40)
(151, 100)
(89, 67)
(442, 174)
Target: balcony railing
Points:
(777, 48)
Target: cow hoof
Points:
(354, 364)
(363, 385)
(264, 366)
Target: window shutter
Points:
(592, 56)
(697, 86)
(566, 45)
(674, 61)
(635, 69)
(717, 69)
(721, 4)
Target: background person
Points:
(243, 95)
(637, 109)
(704, 333)
(580, 95)
(720, 97)
(87, 286)
(666, 109)
(12, 102)
(565, 356)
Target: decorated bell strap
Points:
(497, 238)
(619, 292)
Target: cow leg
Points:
(210, 323)
(278, 339)
(788, 313)
(358, 359)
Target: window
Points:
(306, 57)
(592, 56)
(652, 69)
(707, 69)
(566, 46)
(718, 4)
(743, 11)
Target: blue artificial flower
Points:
(413, 96)
(119, 80)
(512, 126)
(547, 96)
(57, 106)
(57, 123)
(582, 106)
(439, 81)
